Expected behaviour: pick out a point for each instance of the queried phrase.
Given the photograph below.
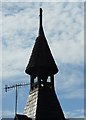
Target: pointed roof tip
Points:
(41, 32)
(41, 60)
(40, 9)
(41, 12)
(40, 16)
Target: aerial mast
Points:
(16, 86)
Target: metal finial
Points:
(40, 16)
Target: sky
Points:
(63, 24)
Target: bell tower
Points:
(42, 103)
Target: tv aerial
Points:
(16, 86)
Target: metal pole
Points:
(16, 101)
(16, 93)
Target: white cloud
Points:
(70, 92)
(69, 82)
(0, 41)
(77, 93)
(15, 62)
(63, 26)
(20, 28)
(68, 51)
(43, 1)
(19, 33)
(7, 114)
(78, 113)
(0, 63)
(0, 114)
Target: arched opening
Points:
(34, 82)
